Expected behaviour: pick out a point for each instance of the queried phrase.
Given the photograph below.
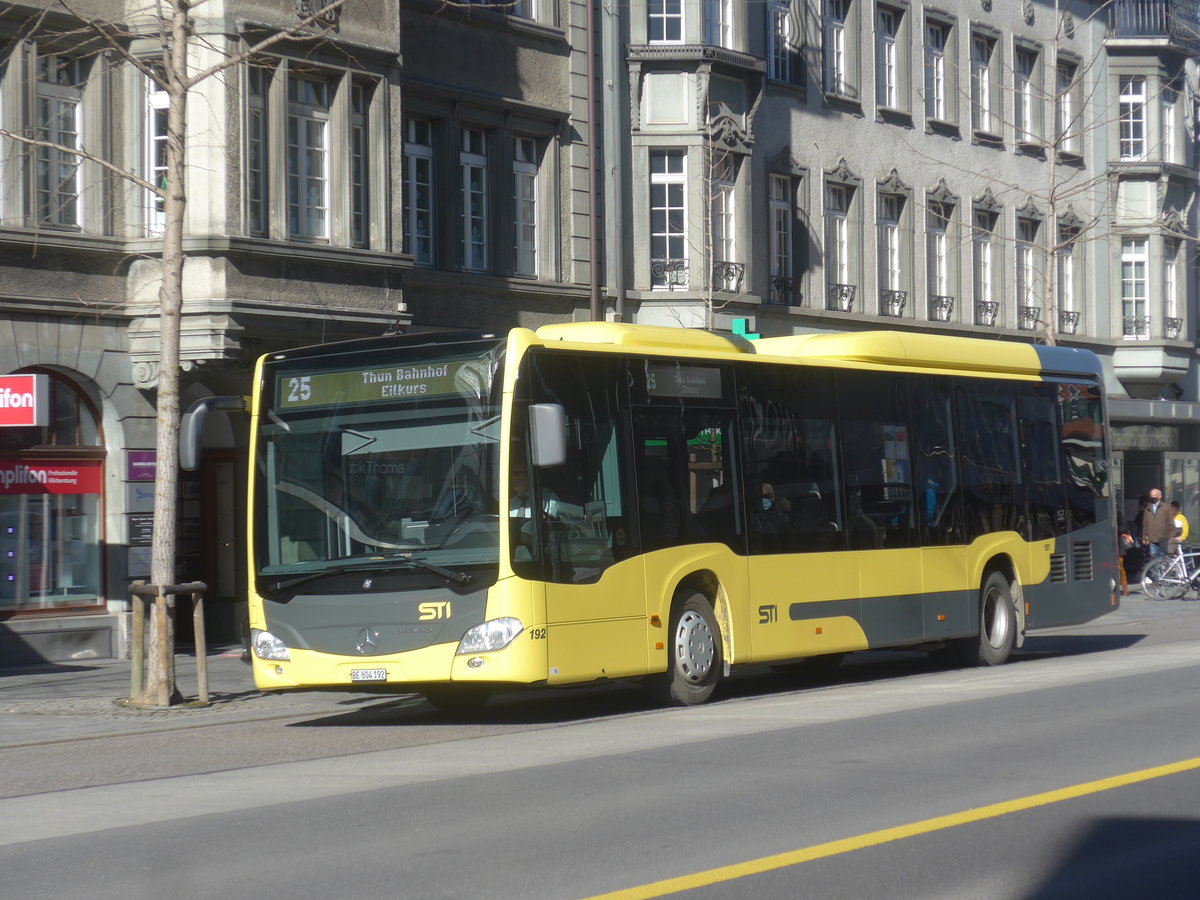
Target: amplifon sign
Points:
(24, 400)
(80, 476)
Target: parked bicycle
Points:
(1169, 577)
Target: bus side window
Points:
(876, 456)
(938, 497)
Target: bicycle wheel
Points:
(1164, 579)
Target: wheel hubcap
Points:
(695, 647)
(997, 622)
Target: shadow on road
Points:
(553, 706)
(1129, 858)
(1045, 646)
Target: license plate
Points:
(368, 674)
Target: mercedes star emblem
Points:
(368, 641)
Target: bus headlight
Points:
(495, 634)
(267, 646)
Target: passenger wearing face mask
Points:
(772, 515)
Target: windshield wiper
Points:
(458, 577)
(374, 563)
(366, 565)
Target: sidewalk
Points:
(77, 700)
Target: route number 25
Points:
(299, 389)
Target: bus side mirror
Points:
(191, 427)
(548, 434)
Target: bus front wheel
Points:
(694, 658)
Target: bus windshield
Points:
(379, 459)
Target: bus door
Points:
(689, 497)
(574, 529)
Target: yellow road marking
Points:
(887, 835)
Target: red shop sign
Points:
(24, 400)
(73, 477)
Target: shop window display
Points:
(50, 510)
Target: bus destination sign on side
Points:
(677, 380)
(368, 385)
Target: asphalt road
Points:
(894, 779)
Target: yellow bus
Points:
(456, 514)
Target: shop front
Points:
(52, 528)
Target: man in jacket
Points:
(1158, 525)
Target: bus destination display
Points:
(677, 380)
(370, 385)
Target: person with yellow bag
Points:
(1181, 528)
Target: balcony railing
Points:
(891, 303)
(1029, 317)
(1135, 328)
(727, 276)
(1174, 327)
(840, 297)
(985, 312)
(940, 307)
(783, 290)
(669, 274)
(1175, 20)
(1068, 321)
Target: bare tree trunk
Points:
(160, 689)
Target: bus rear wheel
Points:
(694, 657)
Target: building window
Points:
(781, 212)
(359, 186)
(718, 23)
(1066, 107)
(1132, 117)
(1027, 287)
(1026, 92)
(59, 113)
(1064, 260)
(1170, 132)
(473, 166)
(890, 269)
(664, 24)
(782, 64)
(418, 191)
(727, 271)
(937, 94)
(887, 76)
(156, 154)
(1135, 297)
(318, 185)
(836, 59)
(840, 250)
(986, 305)
(982, 100)
(1171, 280)
(941, 293)
(525, 202)
(257, 180)
(308, 157)
(668, 220)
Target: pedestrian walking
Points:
(1158, 525)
